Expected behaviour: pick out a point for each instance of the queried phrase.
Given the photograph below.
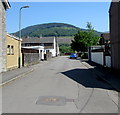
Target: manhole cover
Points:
(51, 100)
(70, 100)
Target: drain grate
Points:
(51, 100)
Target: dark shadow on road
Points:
(104, 69)
(111, 75)
(87, 78)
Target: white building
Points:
(39, 48)
(49, 43)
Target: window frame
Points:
(8, 49)
(12, 50)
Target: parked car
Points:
(73, 56)
(67, 53)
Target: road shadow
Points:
(87, 78)
(104, 69)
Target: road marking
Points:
(15, 78)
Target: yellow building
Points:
(13, 45)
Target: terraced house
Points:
(4, 5)
(13, 45)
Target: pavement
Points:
(109, 75)
(14, 74)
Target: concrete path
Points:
(60, 85)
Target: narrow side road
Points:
(60, 85)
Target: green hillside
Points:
(50, 29)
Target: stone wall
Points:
(2, 38)
(30, 58)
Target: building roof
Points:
(60, 40)
(65, 40)
(38, 40)
(14, 37)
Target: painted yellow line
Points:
(17, 77)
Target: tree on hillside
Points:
(89, 26)
(84, 39)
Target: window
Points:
(8, 50)
(12, 50)
(47, 50)
(28, 44)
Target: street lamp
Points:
(19, 65)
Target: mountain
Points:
(50, 29)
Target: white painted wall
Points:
(97, 57)
(108, 61)
(58, 50)
(41, 54)
(53, 51)
(40, 48)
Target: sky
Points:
(75, 13)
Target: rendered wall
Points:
(97, 57)
(108, 61)
(12, 60)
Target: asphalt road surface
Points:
(61, 85)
